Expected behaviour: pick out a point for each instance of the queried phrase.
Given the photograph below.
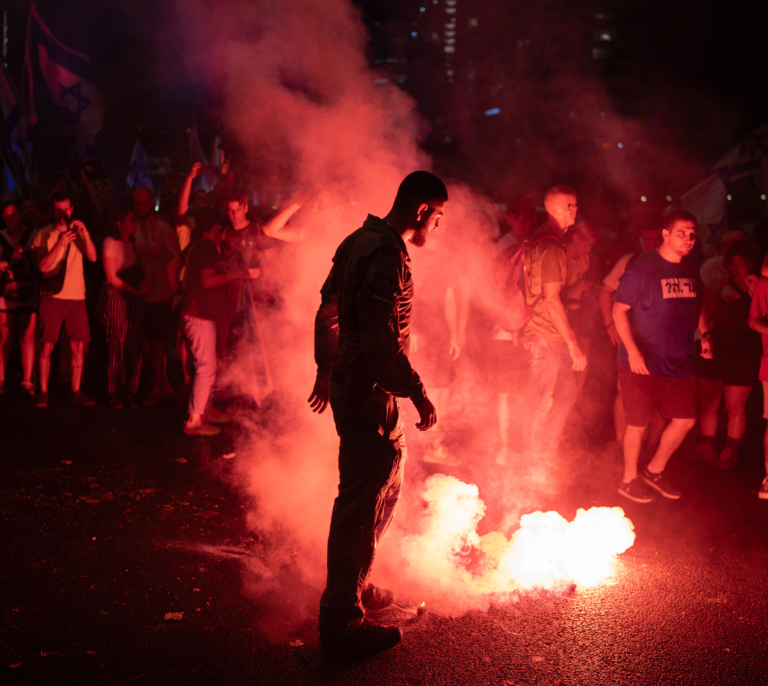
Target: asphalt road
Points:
(112, 520)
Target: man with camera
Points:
(60, 248)
(19, 294)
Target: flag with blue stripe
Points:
(70, 79)
(13, 113)
(138, 168)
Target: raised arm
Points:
(186, 189)
(276, 226)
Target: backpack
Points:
(512, 311)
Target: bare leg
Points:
(765, 449)
(7, 320)
(671, 438)
(633, 440)
(78, 358)
(44, 365)
(735, 402)
(27, 326)
(655, 429)
(709, 403)
(619, 418)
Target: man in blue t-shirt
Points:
(656, 308)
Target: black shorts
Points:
(158, 320)
(71, 313)
(733, 367)
(641, 395)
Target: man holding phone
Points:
(60, 247)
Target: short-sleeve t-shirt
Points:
(123, 254)
(759, 308)
(74, 281)
(157, 244)
(22, 291)
(664, 298)
(614, 276)
(545, 262)
(200, 302)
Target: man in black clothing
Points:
(362, 336)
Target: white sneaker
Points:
(763, 492)
(439, 454)
(216, 416)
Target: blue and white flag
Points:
(708, 201)
(216, 153)
(70, 80)
(138, 169)
(13, 113)
(196, 154)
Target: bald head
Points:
(143, 202)
(561, 206)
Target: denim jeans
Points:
(372, 455)
(551, 390)
(201, 334)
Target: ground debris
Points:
(15, 665)
(177, 616)
(181, 460)
(64, 462)
(229, 456)
(297, 643)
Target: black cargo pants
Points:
(371, 459)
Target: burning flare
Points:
(546, 551)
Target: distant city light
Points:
(643, 198)
(414, 34)
(434, 2)
(621, 145)
(669, 198)
(605, 36)
(492, 111)
(762, 197)
(730, 197)
(602, 114)
(422, 9)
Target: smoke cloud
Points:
(299, 96)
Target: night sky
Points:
(700, 67)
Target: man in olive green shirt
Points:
(548, 338)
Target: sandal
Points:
(152, 399)
(115, 403)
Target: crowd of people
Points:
(192, 280)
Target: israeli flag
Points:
(70, 80)
(196, 154)
(138, 169)
(13, 113)
(708, 201)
